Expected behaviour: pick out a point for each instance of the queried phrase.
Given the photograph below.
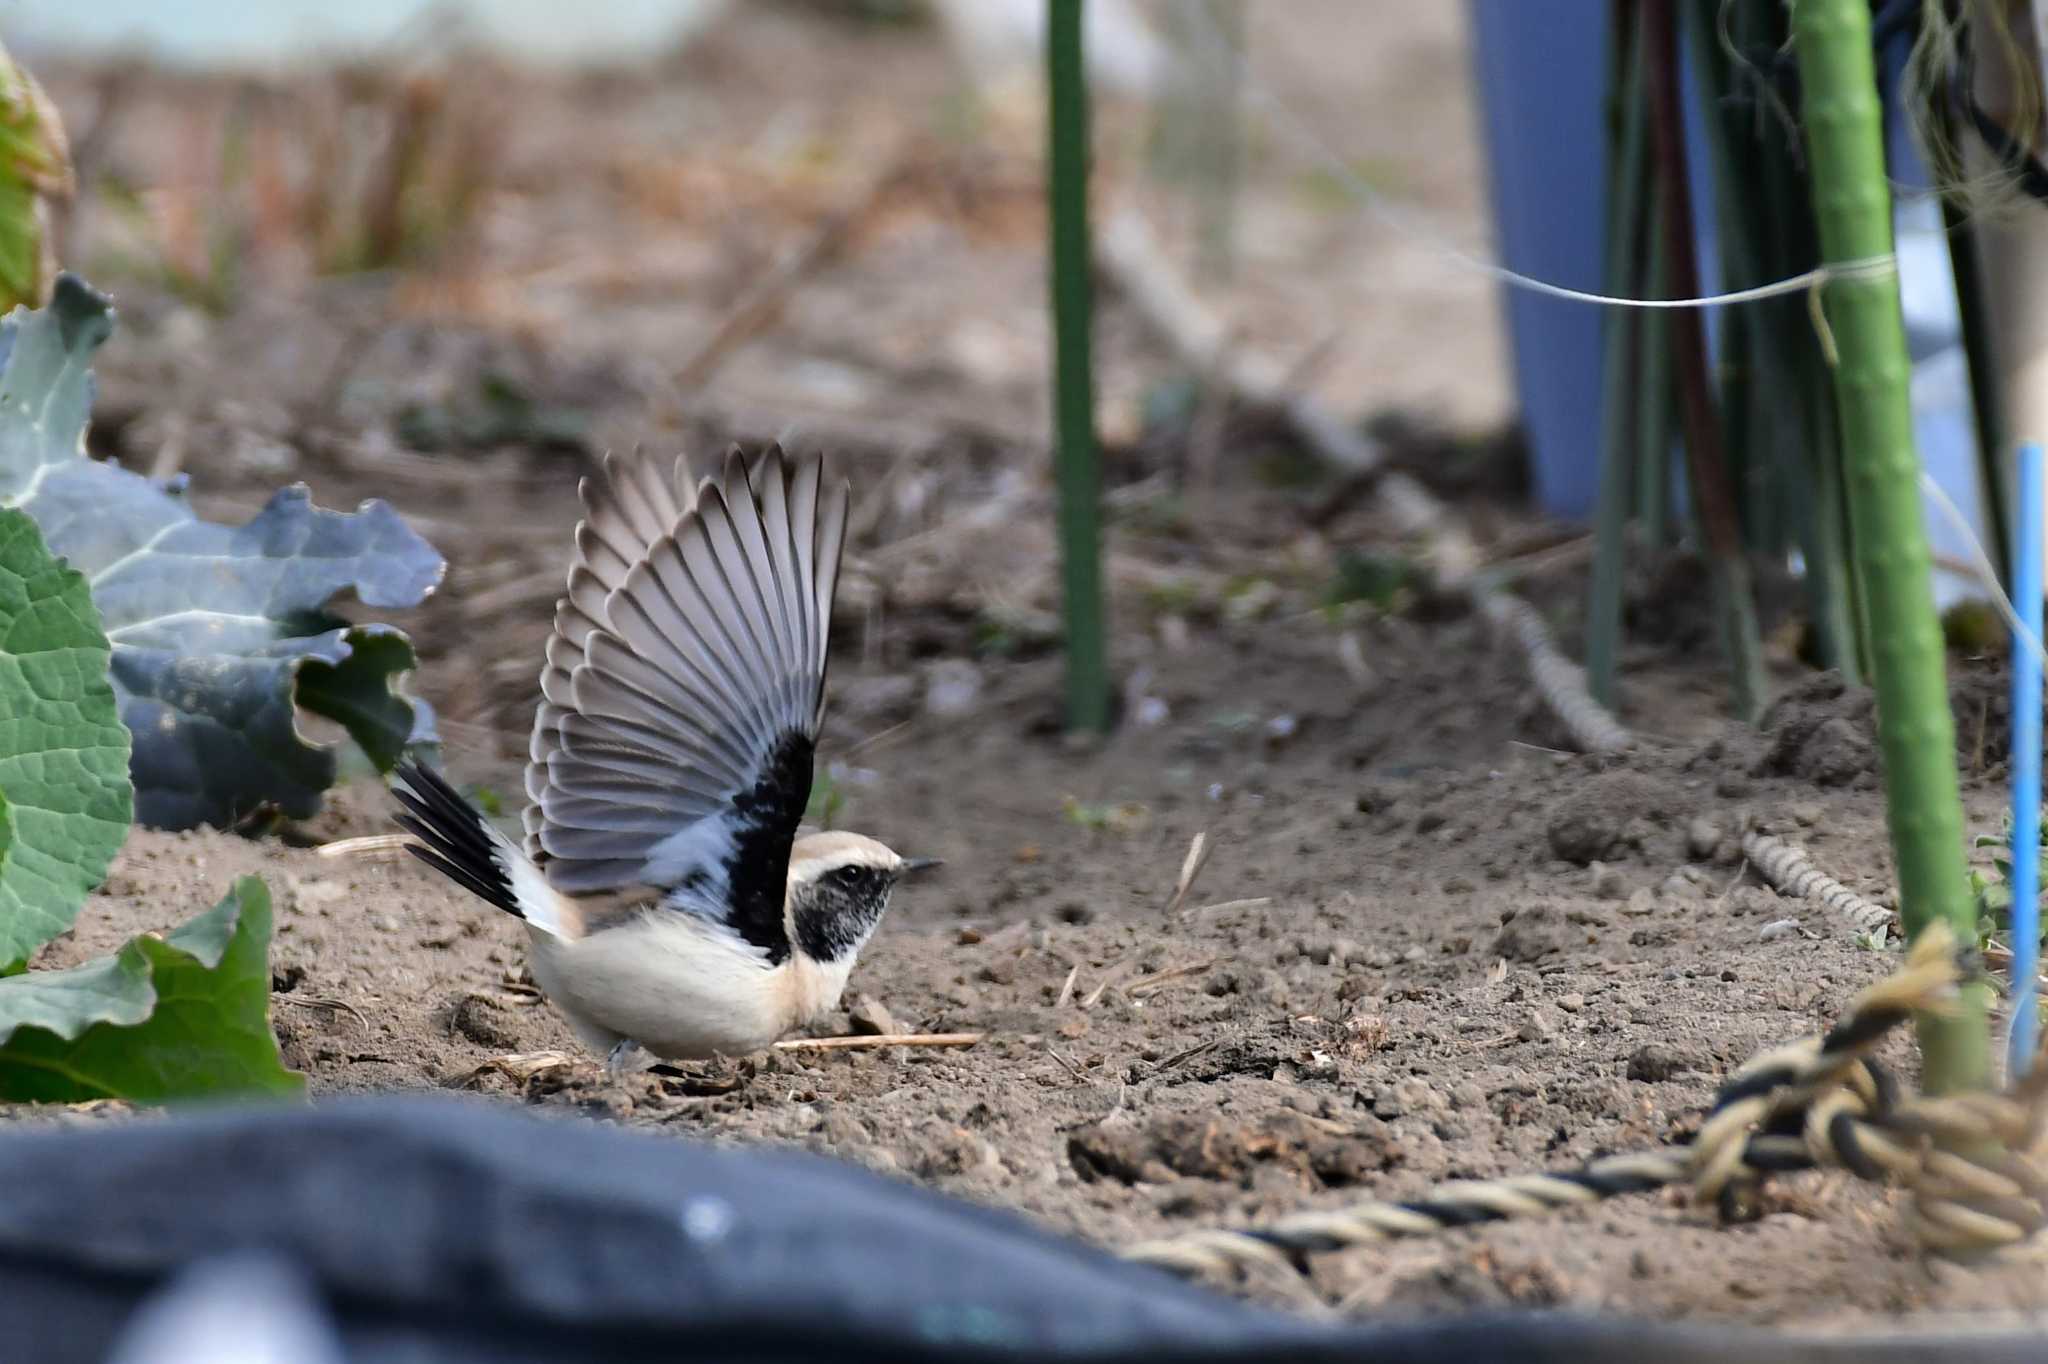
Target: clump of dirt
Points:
(1825, 731)
(1533, 932)
(1613, 813)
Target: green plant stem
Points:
(1834, 593)
(1196, 142)
(1916, 731)
(1775, 390)
(1792, 480)
(1653, 388)
(1752, 475)
(1987, 403)
(1746, 340)
(1080, 509)
(1611, 508)
(1706, 461)
(1220, 141)
(1618, 455)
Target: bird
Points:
(672, 907)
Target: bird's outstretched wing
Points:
(684, 685)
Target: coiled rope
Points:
(1791, 872)
(1560, 682)
(1973, 1163)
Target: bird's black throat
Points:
(834, 915)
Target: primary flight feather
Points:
(667, 896)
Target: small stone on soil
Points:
(1654, 1061)
(1608, 882)
(1535, 932)
(486, 1024)
(872, 1018)
(1702, 839)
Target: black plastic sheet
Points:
(449, 1232)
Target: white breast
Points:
(680, 986)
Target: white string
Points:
(1980, 563)
(1418, 229)
(1870, 267)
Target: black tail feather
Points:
(457, 841)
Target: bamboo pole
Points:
(1916, 732)
(1080, 480)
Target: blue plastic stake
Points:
(2026, 765)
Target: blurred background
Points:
(350, 244)
(659, 143)
(445, 254)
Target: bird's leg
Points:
(625, 1058)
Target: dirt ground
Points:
(1427, 945)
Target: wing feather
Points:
(777, 571)
(635, 504)
(601, 813)
(684, 685)
(676, 639)
(707, 578)
(831, 541)
(760, 601)
(693, 723)
(628, 744)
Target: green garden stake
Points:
(1916, 731)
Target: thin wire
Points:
(1870, 267)
(1419, 229)
(2019, 1023)
(1980, 563)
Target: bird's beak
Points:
(911, 864)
